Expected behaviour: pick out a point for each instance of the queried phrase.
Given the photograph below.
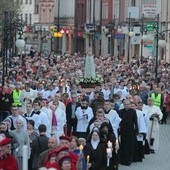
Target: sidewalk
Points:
(161, 159)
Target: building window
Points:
(26, 1)
(50, 16)
(105, 11)
(30, 19)
(26, 18)
(36, 8)
(30, 1)
(82, 21)
(43, 18)
(21, 1)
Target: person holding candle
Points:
(109, 140)
(76, 149)
(94, 151)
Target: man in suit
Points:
(70, 114)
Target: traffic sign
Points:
(151, 26)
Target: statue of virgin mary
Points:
(89, 66)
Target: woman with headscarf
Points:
(23, 139)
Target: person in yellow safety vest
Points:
(157, 97)
(16, 93)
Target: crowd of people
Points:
(68, 127)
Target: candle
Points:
(81, 148)
(109, 144)
(109, 155)
(88, 158)
(116, 145)
(116, 142)
(109, 151)
(25, 158)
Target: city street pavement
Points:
(161, 159)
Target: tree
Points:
(9, 5)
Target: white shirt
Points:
(114, 120)
(83, 120)
(106, 93)
(141, 122)
(61, 121)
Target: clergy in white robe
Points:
(61, 121)
(27, 96)
(112, 116)
(141, 124)
(155, 114)
(106, 91)
(84, 114)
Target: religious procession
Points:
(77, 112)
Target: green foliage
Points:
(8, 5)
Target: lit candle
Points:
(109, 155)
(88, 158)
(109, 144)
(116, 145)
(81, 148)
(109, 151)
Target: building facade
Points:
(96, 24)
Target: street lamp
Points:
(131, 33)
(162, 43)
(20, 42)
(159, 43)
(58, 26)
(110, 32)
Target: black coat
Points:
(39, 145)
(5, 101)
(128, 132)
(114, 160)
(97, 156)
(69, 111)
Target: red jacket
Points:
(56, 166)
(74, 159)
(167, 102)
(9, 163)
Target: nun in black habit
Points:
(95, 150)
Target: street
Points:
(161, 159)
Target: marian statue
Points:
(90, 66)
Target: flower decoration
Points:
(90, 80)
